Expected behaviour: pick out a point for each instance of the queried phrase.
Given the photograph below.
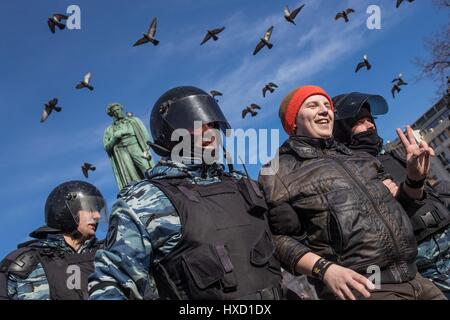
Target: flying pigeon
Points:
(395, 88)
(129, 114)
(399, 2)
(55, 20)
(250, 110)
(215, 93)
(49, 107)
(86, 167)
(290, 16)
(212, 34)
(399, 80)
(149, 36)
(86, 82)
(269, 87)
(344, 14)
(264, 41)
(364, 63)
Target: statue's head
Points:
(115, 110)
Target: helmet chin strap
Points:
(75, 234)
(229, 160)
(157, 147)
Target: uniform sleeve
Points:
(144, 227)
(9, 287)
(122, 267)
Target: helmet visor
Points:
(88, 209)
(178, 116)
(348, 105)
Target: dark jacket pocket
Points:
(263, 250)
(203, 267)
(335, 234)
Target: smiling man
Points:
(191, 229)
(333, 215)
(56, 265)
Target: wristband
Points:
(415, 184)
(320, 267)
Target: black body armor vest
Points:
(226, 249)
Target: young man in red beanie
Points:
(332, 213)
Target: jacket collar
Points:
(167, 168)
(310, 148)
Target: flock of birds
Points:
(56, 21)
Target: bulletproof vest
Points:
(67, 274)
(433, 215)
(226, 249)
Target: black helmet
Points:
(179, 108)
(347, 105)
(66, 200)
(350, 107)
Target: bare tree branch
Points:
(437, 65)
(442, 3)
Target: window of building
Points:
(444, 160)
(443, 136)
(430, 113)
(433, 144)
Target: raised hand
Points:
(417, 155)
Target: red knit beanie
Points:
(293, 101)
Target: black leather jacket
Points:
(330, 200)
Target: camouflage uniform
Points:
(144, 228)
(35, 286)
(433, 259)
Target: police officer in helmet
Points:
(191, 230)
(56, 263)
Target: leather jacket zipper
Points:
(366, 193)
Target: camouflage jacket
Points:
(433, 259)
(143, 228)
(35, 286)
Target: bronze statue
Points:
(125, 141)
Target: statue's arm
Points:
(109, 140)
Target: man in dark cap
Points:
(430, 216)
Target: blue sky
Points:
(37, 66)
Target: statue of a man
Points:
(125, 141)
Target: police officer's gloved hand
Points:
(284, 220)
